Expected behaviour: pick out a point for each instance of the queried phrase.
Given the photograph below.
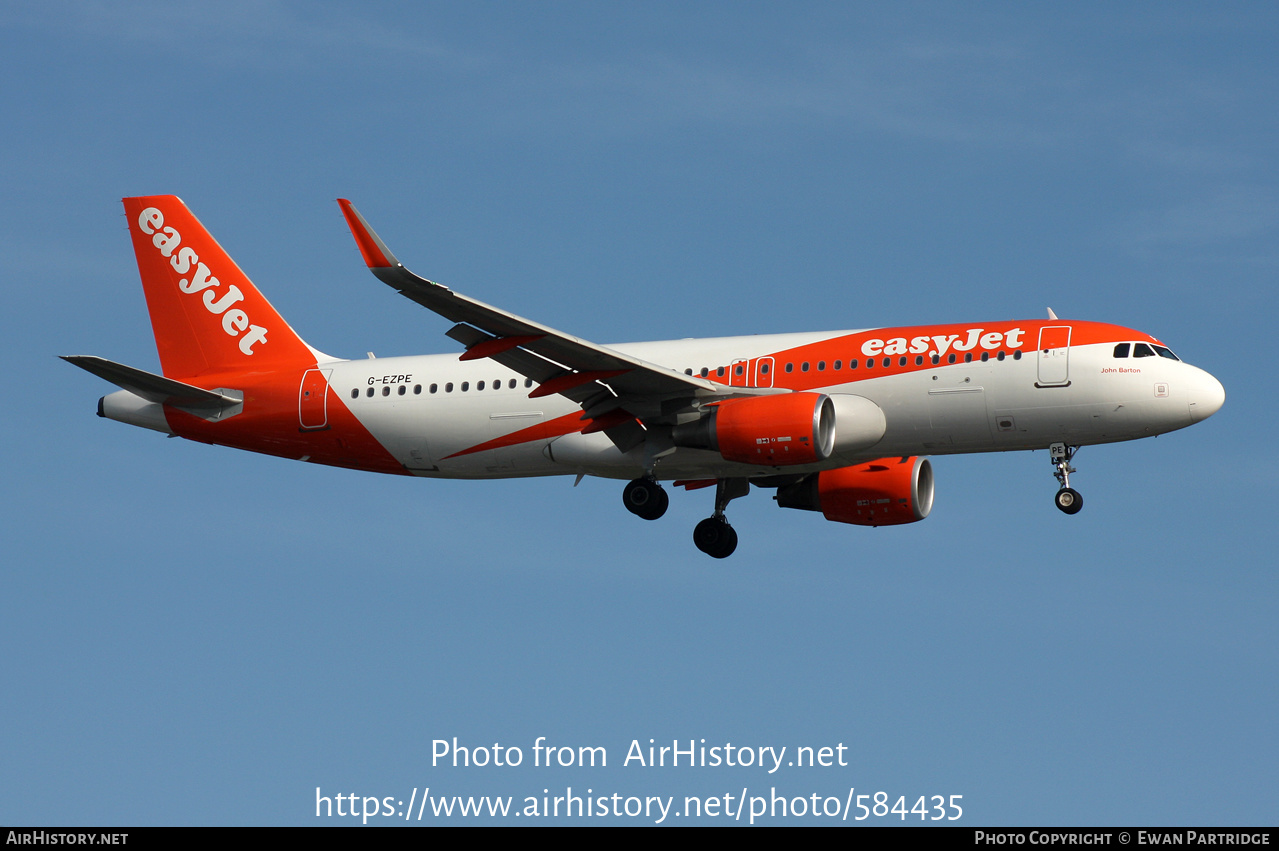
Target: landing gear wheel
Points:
(1069, 500)
(645, 498)
(715, 537)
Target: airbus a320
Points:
(837, 422)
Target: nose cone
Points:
(1206, 396)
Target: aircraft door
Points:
(764, 372)
(1054, 356)
(739, 373)
(313, 396)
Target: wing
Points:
(621, 393)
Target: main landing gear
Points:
(1067, 499)
(644, 497)
(713, 535)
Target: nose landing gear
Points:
(1067, 498)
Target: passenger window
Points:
(985, 356)
(870, 363)
(821, 366)
(888, 362)
(355, 394)
(737, 370)
(1121, 350)
(512, 387)
(839, 364)
(403, 389)
(803, 367)
(852, 364)
(434, 387)
(720, 372)
(901, 361)
(999, 356)
(968, 358)
(386, 391)
(417, 389)
(479, 385)
(950, 358)
(1017, 355)
(466, 385)
(936, 359)
(370, 393)
(919, 360)
(790, 367)
(448, 388)
(763, 369)
(705, 372)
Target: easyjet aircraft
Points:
(834, 422)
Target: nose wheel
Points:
(1067, 499)
(644, 497)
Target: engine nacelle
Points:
(885, 492)
(859, 423)
(772, 431)
(785, 430)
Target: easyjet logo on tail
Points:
(235, 322)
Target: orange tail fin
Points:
(206, 314)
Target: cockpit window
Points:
(1141, 350)
(1121, 350)
(1165, 352)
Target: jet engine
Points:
(885, 492)
(785, 430)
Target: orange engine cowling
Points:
(885, 492)
(772, 431)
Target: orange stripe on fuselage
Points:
(567, 424)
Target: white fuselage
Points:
(427, 409)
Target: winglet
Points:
(376, 254)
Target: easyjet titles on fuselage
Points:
(941, 344)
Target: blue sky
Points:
(193, 635)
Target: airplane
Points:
(837, 422)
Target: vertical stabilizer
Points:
(207, 315)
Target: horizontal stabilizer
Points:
(152, 387)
